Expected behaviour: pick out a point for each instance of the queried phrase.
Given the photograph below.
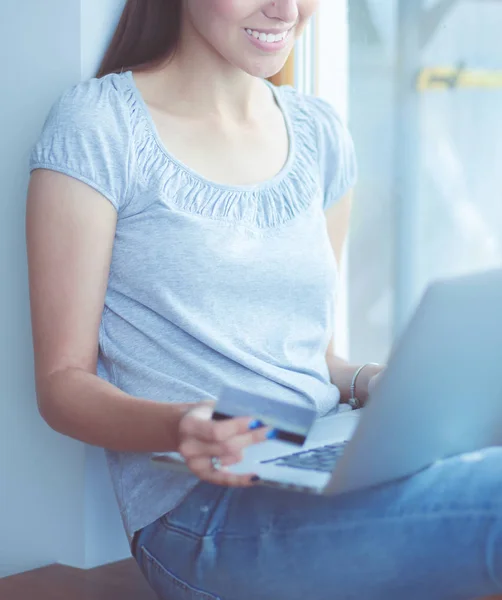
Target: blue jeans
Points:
(435, 535)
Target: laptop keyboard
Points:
(317, 459)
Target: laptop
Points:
(440, 396)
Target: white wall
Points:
(56, 503)
(333, 44)
(333, 31)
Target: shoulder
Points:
(87, 134)
(319, 123)
(94, 103)
(321, 127)
(322, 115)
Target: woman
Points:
(183, 222)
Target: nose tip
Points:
(285, 10)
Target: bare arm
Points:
(341, 372)
(70, 230)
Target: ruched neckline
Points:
(264, 204)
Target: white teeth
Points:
(270, 38)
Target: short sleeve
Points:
(336, 153)
(86, 135)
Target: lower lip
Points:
(266, 46)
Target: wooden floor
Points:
(118, 581)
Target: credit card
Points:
(291, 422)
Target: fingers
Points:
(191, 447)
(202, 466)
(196, 423)
(374, 381)
(230, 480)
(201, 439)
(198, 455)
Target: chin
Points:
(264, 68)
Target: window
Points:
(425, 105)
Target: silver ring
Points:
(216, 463)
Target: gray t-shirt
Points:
(210, 284)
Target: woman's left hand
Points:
(373, 382)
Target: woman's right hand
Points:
(201, 439)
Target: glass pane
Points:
(429, 198)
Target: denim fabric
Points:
(435, 535)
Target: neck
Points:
(201, 81)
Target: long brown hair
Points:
(147, 34)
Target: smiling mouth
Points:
(268, 38)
